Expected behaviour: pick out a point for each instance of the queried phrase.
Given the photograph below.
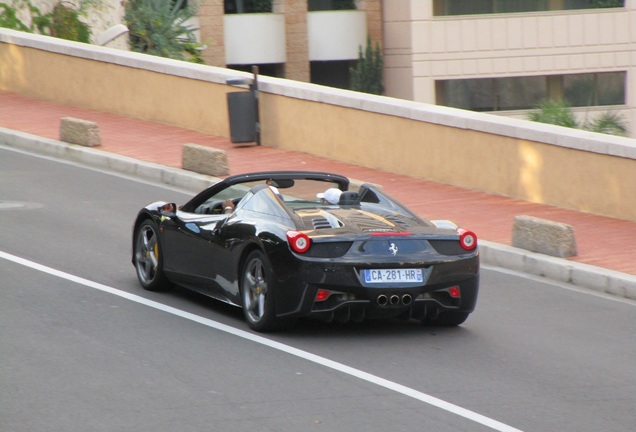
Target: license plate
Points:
(392, 275)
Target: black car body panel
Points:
(356, 248)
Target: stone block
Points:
(204, 160)
(81, 132)
(543, 236)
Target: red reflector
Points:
(391, 234)
(454, 291)
(322, 295)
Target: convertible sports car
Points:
(273, 244)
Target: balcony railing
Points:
(336, 35)
(255, 38)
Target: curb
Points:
(100, 159)
(557, 269)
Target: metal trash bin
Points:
(245, 125)
(242, 111)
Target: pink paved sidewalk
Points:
(601, 241)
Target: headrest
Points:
(349, 198)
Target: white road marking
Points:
(398, 388)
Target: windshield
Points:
(295, 193)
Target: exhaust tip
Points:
(382, 300)
(407, 299)
(395, 299)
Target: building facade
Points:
(505, 56)
(305, 40)
(496, 56)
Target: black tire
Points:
(447, 319)
(257, 293)
(148, 258)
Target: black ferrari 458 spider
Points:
(287, 244)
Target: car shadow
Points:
(311, 328)
(373, 329)
(199, 300)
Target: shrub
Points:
(158, 27)
(559, 113)
(65, 24)
(9, 19)
(608, 123)
(366, 76)
(554, 112)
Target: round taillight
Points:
(467, 239)
(298, 241)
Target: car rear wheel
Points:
(148, 258)
(257, 290)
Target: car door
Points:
(192, 249)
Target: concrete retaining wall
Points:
(535, 162)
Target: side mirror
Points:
(168, 210)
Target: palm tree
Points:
(160, 28)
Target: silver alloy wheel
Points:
(146, 254)
(254, 290)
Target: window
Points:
(334, 73)
(473, 7)
(492, 94)
(594, 89)
(322, 5)
(268, 69)
(517, 93)
(592, 4)
(247, 6)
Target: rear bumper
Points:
(415, 303)
(350, 300)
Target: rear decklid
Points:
(377, 236)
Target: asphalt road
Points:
(82, 347)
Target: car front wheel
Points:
(148, 258)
